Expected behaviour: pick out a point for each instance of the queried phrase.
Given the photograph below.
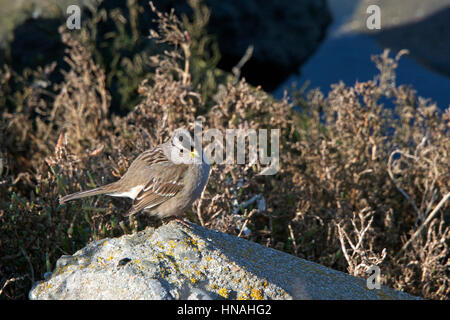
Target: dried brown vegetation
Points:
(359, 185)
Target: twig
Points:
(29, 262)
(213, 216)
(291, 233)
(10, 281)
(124, 227)
(247, 55)
(246, 221)
(403, 192)
(361, 233)
(343, 247)
(199, 209)
(187, 56)
(427, 220)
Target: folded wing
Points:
(166, 181)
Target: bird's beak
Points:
(194, 153)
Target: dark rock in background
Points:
(284, 33)
(29, 31)
(36, 43)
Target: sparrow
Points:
(163, 181)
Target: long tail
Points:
(87, 193)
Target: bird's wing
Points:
(165, 181)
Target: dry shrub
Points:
(357, 179)
(82, 102)
(380, 175)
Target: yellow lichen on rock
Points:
(257, 294)
(224, 292)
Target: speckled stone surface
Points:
(177, 262)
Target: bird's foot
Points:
(181, 220)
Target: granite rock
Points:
(180, 262)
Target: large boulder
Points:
(284, 35)
(180, 262)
